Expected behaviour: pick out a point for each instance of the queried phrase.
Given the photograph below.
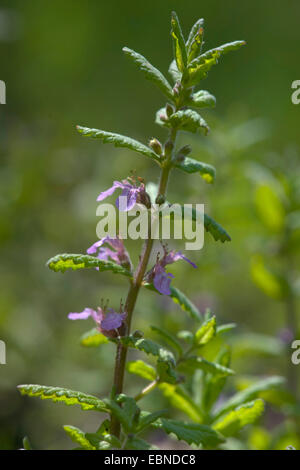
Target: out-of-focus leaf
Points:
(211, 226)
(250, 393)
(78, 437)
(26, 444)
(235, 420)
(202, 99)
(174, 72)
(118, 141)
(270, 207)
(191, 433)
(194, 363)
(185, 304)
(270, 283)
(206, 332)
(195, 40)
(180, 54)
(189, 165)
(71, 261)
(225, 328)
(150, 72)
(93, 338)
(180, 399)
(256, 344)
(141, 369)
(213, 383)
(135, 443)
(169, 338)
(64, 395)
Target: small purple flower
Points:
(113, 249)
(131, 194)
(107, 323)
(158, 275)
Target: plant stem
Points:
(146, 390)
(120, 361)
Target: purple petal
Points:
(112, 320)
(174, 256)
(127, 200)
(93, 249)
(86, 313)
(110, 191)
(162, 281)
(188, 260)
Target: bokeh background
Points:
(63, 65)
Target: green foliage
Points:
(189, 165)
(180, 54)
(26, 444)
(74, 262)
(150, 72)
(202, 99)
(168, 338)
(235, 420)
(191, 433)
(195, 40)
(184, 120)
(118, 141)
(141, 369)
(126, 411)
(78, 437)
(195, 363)
(179, 398)
(66, 396)
(206, 332)
(93, 338)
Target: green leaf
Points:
(195, 40)
(270, 283)
(254, 391)
(180, 399)
(125, 410)
(185, 304)
(70, 261)
(174, 72)
(225, 328)
(213, 383)
(169, 338)
(93, 338)
(78, 437)
(255, 344)
(215, 229)
(118, 141)
(26, 444)
(213, 368)
(134, 443)
(189, 165)
(180, 54)
(200, 66)
(186, 336)
(185, 120)
(235, 420)
(150, 72)
(202, 99)
(141, 369)
(191, 433)
(146, 419)
(68, 397)
(206, 332)
(270, 208)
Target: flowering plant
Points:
(189, 374)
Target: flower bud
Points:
(169, 110)
(156, 146)
(160, 199)
(168, 148)
(183, 152)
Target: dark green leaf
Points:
(118, 141)
(71, 261)
(185, 304)
(213, 368)
(185, 120)
(189, 165)
(146, 419)
(125, 410)
(169, 338)
(202, 99)
(150, 72)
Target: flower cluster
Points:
(133, 192)
(111, 249)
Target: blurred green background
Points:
(63, 65)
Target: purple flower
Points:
(107, 323)
(131, 194)
(113, 249)
(158, 275)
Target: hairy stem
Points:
(120, 361)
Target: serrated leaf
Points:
(251, 393)
(93, 338)
(78, 437)
(195, 40)
(185, 120)
(199, 67)
(185, 304)
(202, 99)
(77, 261)
(97, 440)
(169, 338)
(125, 410)
(64, 395)
(206, 332)
(235, 420)
(191, 433)
(180, 54)
(118, 140)
(146, 419)
(180, 399)
(194, 363)
(189, 165)
(134, 443)
(151, 73)
(141, 369)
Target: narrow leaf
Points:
(78, 437)
(180, 54)
(93, 338)
(206, 332)
(71, 261)
(235, 420)
(189, 165)
(141, 369)
(180, 399)
(68, 397)
(195, 40)
(185, 304)
(194, 363)
(169, 338)
(118, 141)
